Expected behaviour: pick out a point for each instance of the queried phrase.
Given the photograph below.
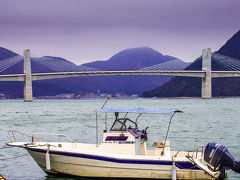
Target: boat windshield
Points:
(123, 124)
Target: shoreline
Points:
(123, 98)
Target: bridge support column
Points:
(28, 97)
(207, 80)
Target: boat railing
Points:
(34, 136)
(196, 151)
(55, 134)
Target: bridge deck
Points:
(42, 76)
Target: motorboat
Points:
(122, 152)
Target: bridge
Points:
(206, 73)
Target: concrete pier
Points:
(28, 97)
(207, 80)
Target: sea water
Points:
(203, 121)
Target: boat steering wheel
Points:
(144, 134)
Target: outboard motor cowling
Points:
(217, 155)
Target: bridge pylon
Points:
(207, 80)
(28, 97)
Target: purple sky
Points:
(87, 30)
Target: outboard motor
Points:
(217, 155)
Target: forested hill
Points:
(132, 59)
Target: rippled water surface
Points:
(202, 121)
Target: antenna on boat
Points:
(108, 97)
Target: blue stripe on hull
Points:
(180, 165)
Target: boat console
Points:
(124, 133)
(127, 125)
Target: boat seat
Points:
(116, 129)
(161, 144)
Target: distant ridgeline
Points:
(130, 59)
(225, 59)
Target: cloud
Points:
(118, 14)
(113, 24)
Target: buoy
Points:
(174, 171)
(48, 165)
(2, 178)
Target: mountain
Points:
(131, 59)
(232, 47)
(225, 59)
(5, 53)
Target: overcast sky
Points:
(87, 30)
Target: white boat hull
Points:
(86, 165)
